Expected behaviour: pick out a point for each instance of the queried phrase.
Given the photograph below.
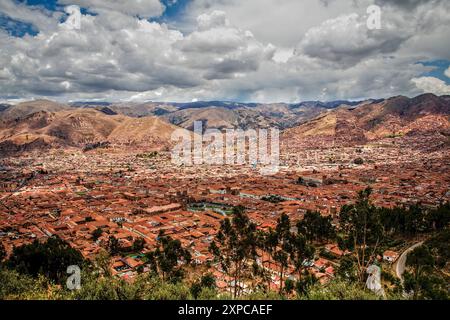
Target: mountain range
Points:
(47, 124)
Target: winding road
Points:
(401, 261)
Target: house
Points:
(390, 256)
(334, 250)
(132, 263)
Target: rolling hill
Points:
(81, 127)
(42, 123)
(26, 108)
(373, 120)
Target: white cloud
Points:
(346, 39)
(112, 51)
(42, 19)
(432, 84)
(281, 22)
(233, 50)
(447, 72)
(212, 20)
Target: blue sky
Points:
(16, 28)
(173, 7)
(48, 4)
(439, 67)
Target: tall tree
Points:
(138, 244)
(284, 249)
(268, 243)
(439, 218)
(420, 260)
(113, 245)
(362, 231)
(235, 247)
(168, 258)
(423, 281)
(316, 227)
(2, 252)
(302, 250)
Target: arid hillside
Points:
(81, 128)
(397, 117)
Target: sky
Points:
(250, 51)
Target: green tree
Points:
(114, 247)
(234, 247)
(439, 218)
(316, 227)
(164, 260)
(423, 282)
(138, 244)
(17, 286)
(347, 269)
(97, 233)
(102, 262)
(289, 286)
(304, 284)
(50, 259)
(207, 281)
(268, 242)
(415, 221)
(439, 246)
(339, 289)
(301, 252)
(2, 253)
(284, 249)
(361, 231)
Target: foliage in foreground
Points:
(16, 286)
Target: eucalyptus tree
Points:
(361, 231)
(234, 247)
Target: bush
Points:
(50, 259)
(16, 286)
(340, 290)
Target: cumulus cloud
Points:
(220, 51)
(432, 84)
(447, 72)
(39, 17)
(212, 20)
(253, 50)
(347, 39)
(127, 54)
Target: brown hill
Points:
(26, 108)
(343, 126)
(220, 115)
(394, 117)
(260, 116)
(144, 132)
(143, 109)
(211, 117)
(81, 127)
